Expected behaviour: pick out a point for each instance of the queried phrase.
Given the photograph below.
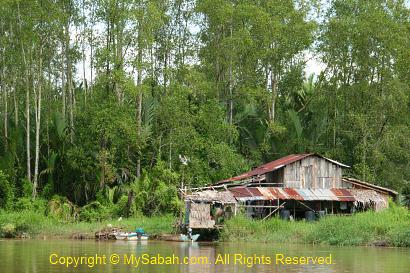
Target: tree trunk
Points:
(5, 94)
(230, 117)
(91, 48)
(107, 64)
(63, 82)
(69, 82)
(83, 54)
(27, 80)
(16, 110)
(273, 96)
(139, 124)
(139, 98)
(28, 121)
(38, 123)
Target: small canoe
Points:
(185, 238)
(130, 236)
(135, 238)
(123, 235)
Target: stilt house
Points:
(297, 186)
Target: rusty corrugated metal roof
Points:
(268, 167)
(293, 194)
(271, 193)
(247, 194)
(274, 165)
(343, 195)
(278, 193)
(267, 193)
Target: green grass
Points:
(36, 225)
(390, 227)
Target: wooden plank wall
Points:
(313, 172)
(275, 178)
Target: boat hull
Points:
(135, 238)
(130, 236)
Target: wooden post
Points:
(182, 199)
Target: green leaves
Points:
(221, 82)
(368, 96)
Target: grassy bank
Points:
(387, 228)
(390, 227)
(37, 225)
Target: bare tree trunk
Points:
(119, 57)
(139, 97)
(63, 82)
(267, 74)
(83, 54)
(5, 94)
(16, 110)
(91, 48)
(170, 150)
(13, 84)
(72, 105)
(107, 64)
(27, 80)
(28, 126)
(273, 96)
(139, 123)
(69, 82)
(6, 115)
(38, 122)
(230, 117)
(165, 68)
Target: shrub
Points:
(121, 206)
(27, 203)
(94, 212)
(399, 236)
(27, 187)
(6, 192)
(8, 230)
(389, 227)
(24, 222)
(60, 207)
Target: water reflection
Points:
(33, 257)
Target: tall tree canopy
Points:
(100, 100)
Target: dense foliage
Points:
(100, 100)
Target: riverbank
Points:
(38, 226)
(390, 227)
(387, 228)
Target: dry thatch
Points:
(200, 216)
(211, 196)
(369, 198)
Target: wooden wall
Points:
(275, 179)
(312, 172)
